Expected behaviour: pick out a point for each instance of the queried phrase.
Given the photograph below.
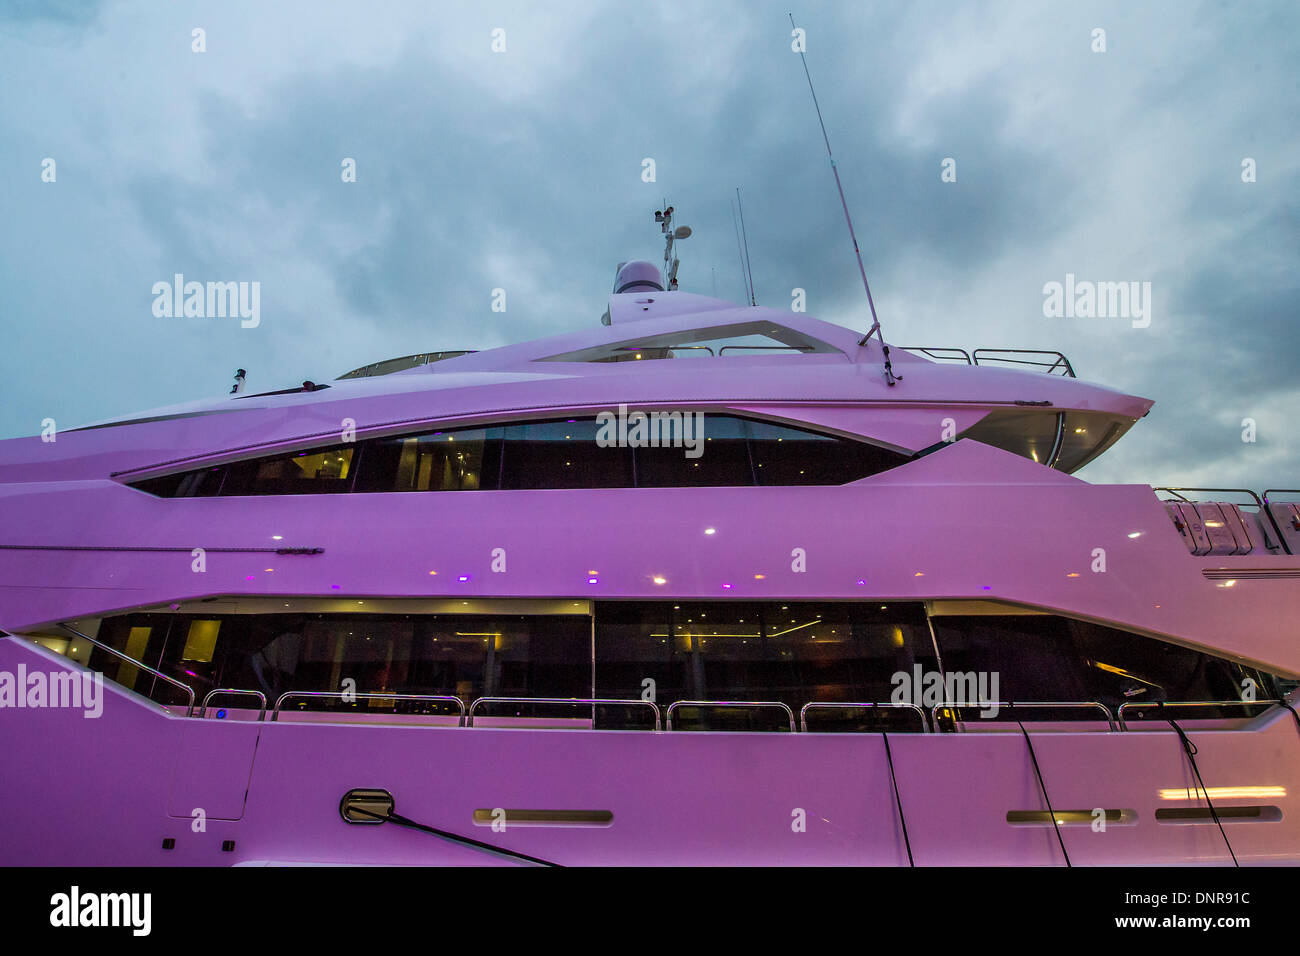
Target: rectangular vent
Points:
(544, 818)
(1249, 574)
(1069, 818)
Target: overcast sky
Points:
(522, 170)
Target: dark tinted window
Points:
(467, 656)
(793, 653)
(790, 456)
(1124, 668)
(297, 473)
(1032, 655)
(571, 453)
(563, 454)
(1041, 657)
(464, 460)
(188, 484)
(720, 456)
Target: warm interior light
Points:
(1221, 793)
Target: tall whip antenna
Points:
(890, 377)
(748, 268)
(740, 253)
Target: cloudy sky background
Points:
(523, 170)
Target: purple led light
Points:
(334, 587)
(463, 577)
(726, 585)
(860, 581)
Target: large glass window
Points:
(723, 458)
(464, 460)
(1030, 433)
(562, 454)
(793, 653)
(297, 473)
(791, 456)
(744, 338)
(1042, 657)
(569, 453)
(466, 656)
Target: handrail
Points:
(592, 701)
(279, 701)
(189, 711)
(1162, 704)
(1280, 491)
(1221, 491)
(803, 711)
(1044, 704)
(802, 349)
(932, 351)
(730, 703)
(203, 708)
(992, 356)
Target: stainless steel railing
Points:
(837, 705)
(1161, 705)
(1032, 704)
(1050, 364)
(233, 692)
(343, 694)
(730, 703)
(575, 701)
(189, 710)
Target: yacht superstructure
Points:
(698, 584)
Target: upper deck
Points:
(661, 350)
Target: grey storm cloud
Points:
(522, 170)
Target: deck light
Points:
(1221, 793)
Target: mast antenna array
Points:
(890, 377)
(671, 262)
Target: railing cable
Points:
(1043, 787)
(898, 799)
(1190, 749)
